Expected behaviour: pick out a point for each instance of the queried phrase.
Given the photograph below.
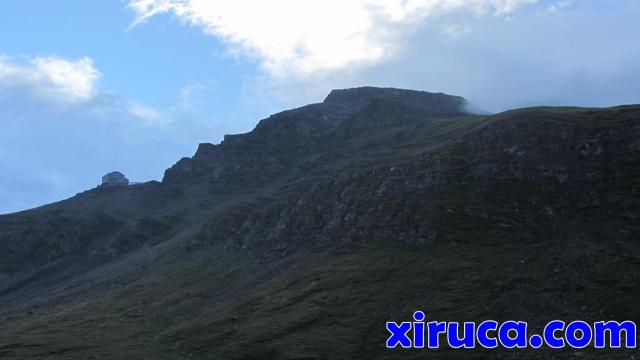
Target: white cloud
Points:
(147, 114)
(55, 81)
(51, 78)
(195, 95)
(456, 31)
(293, 37)
(559, 5)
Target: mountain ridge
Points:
(308, 233)
(318, 119)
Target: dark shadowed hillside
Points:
(301, 238)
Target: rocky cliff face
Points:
(280, 141)
(303, 237)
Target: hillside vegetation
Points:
(300, 239)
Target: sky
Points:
(88, 87)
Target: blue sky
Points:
(87, 87)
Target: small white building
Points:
(114, 178)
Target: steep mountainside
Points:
(300, 239)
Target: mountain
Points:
(303, 237)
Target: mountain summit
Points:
(436, 103)
(301, 238)
(287, 137)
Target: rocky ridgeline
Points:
(306, 234)
(277, 143)
(516, 170)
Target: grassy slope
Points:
(487, 242)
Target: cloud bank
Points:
(500, 54)
(300, 38)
